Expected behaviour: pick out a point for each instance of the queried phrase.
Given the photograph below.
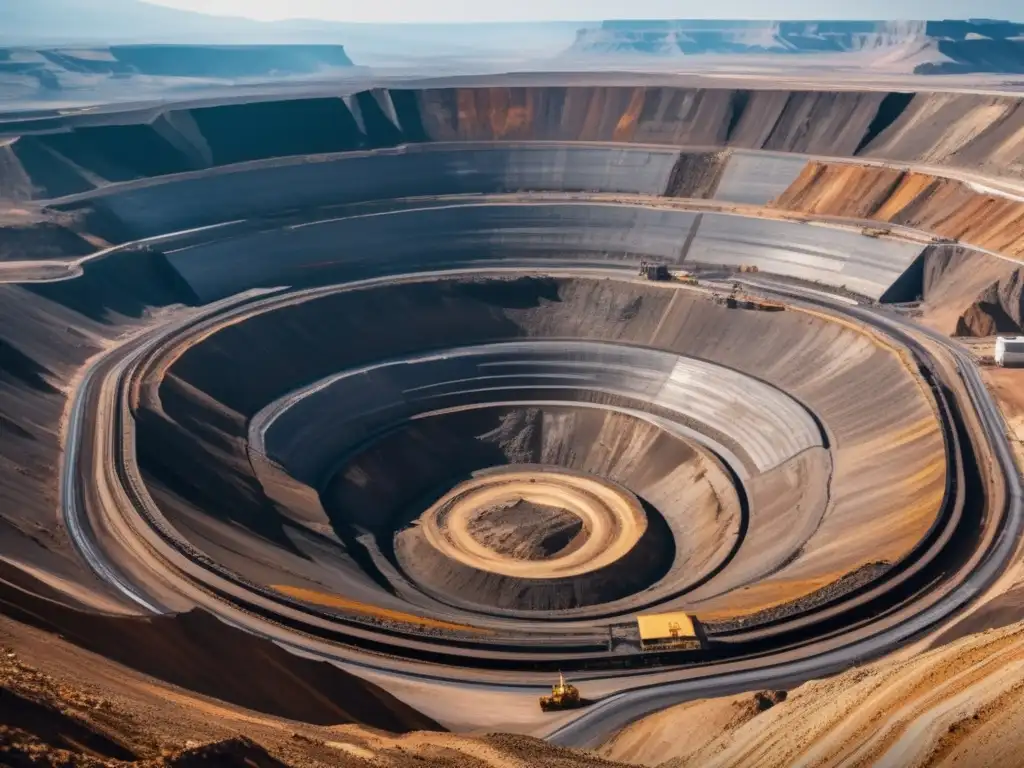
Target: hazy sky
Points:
(578, 10)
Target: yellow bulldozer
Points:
(563, 696)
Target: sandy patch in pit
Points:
(611, 518)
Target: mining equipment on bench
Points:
(669, 632)
(653, 270)
(563, 696)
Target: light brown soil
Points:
(965, 292)
(939, 205)
(686, 729)
(334, 601)
(201, 654)
(962, 704)
(612, 519)
(1007, 387)
(63, 706)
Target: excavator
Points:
(563, 696)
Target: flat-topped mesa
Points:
(922, 47)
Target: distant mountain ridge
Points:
(50, 65)
(99, 23)
(928, 47)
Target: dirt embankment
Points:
(657, 738)
(944, 206)
(964, 292)
(197, 652)
(41, 241)
(997, 309)
(64, 706)
(47, 333)
(961, 704)
(968, 294)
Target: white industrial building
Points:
(1010, 351)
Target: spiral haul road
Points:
(433, 427)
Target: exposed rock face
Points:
(696, 175)
(961, 291)
(998, 309)
(936, 204)
(926, 47)
(524, 530)
(965, 292)
(62, 156)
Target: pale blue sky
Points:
(579, 10)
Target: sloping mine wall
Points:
(41, 241)
(944, 206)
(530, 234)
(965, 292)
(48, 331)
(200, 653)
(968, 295)
(246, 190)
(823, 123)
(64, 156)
(245, 366)
(956, 129)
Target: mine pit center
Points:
(463, 388)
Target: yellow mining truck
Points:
(669, 632)
(563, 696)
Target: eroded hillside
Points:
(958, 705)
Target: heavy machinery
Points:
(654, 271)
(563, 696)
(669, 632)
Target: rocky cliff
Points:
(926, 47)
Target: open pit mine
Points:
(376, 380)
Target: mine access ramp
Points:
(669, 632)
